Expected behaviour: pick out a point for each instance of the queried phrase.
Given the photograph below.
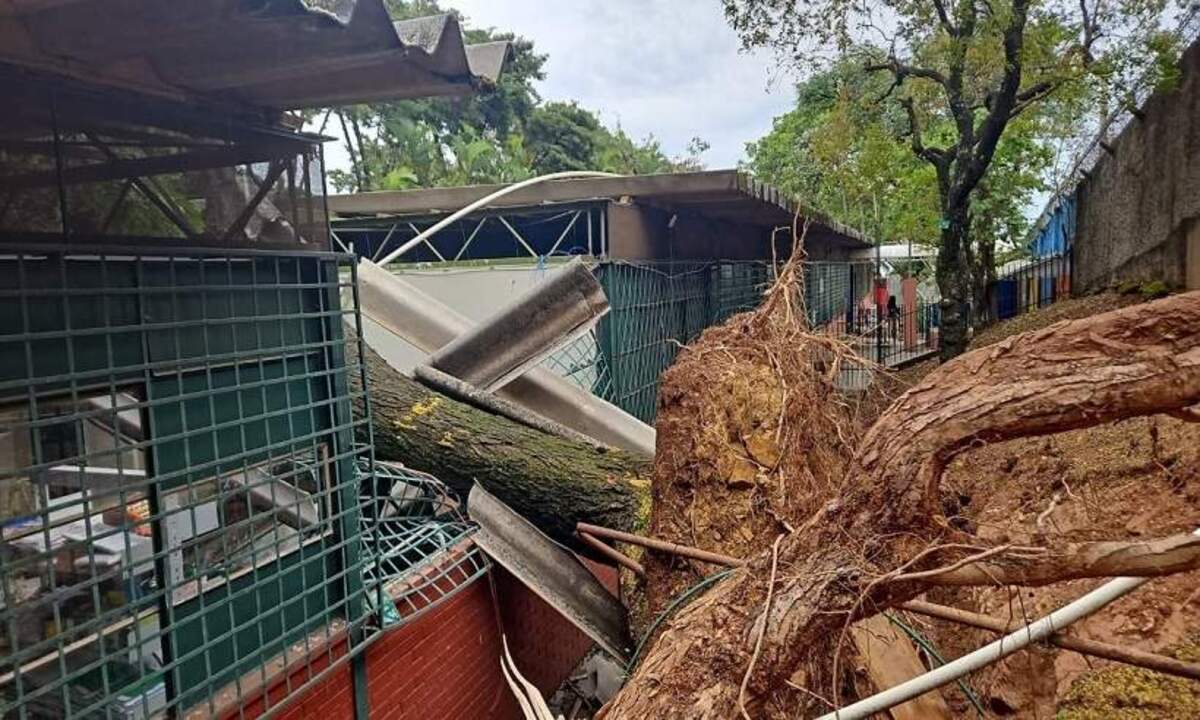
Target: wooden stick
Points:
(661, 545)
(1140, 658)
(612, 553)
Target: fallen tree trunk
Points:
(551, 481)
(851, 560)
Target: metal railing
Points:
(1033, 284)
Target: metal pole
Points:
(1129, 656)
(484, 202)
(993, 652)
(660, 545)
(616, 556)
(879, 308)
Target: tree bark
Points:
(954, 273)
(553, 482)
(886, 522)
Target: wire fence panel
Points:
(658, 307)
(1032, 285)
(186, 520)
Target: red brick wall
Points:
(446, 663)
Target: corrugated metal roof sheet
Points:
(272, 54)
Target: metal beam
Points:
(119, 168)
(562, 237)
(428, 242)
(517, 235)
(467, 244)
(238, 225)
(391, 231)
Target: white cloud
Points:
(671, 68)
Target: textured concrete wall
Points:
(1140, 209)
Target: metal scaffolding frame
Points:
(556, 231)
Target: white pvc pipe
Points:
(484, 202)
(988, 654)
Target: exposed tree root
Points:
(879, 538)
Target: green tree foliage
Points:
(842, 149)
(971, 78)
(838, 150)
(503, 135)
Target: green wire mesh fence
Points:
(658, 307)
(186, 520)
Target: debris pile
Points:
(772, 640)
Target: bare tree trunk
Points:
(878, 537)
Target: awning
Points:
(260, 54)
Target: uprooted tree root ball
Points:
(878, 536)
(752, 435)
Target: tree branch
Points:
(936, 156)
(1002, 106)
(1032, 95)
(944, 17)
(903, 71)
(1191, 414)
(1075, 561)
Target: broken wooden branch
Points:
(1107, 651)
(661, 545)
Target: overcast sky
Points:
(667, 67)
(671, 68)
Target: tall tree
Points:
(974, 65)
(502, 135)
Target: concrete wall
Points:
(1139, 212)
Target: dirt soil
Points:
(751, 431)
(1136, 478)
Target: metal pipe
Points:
(660, 545)
(993, 652)
(612, 553)
(484, 202)
(1129, 656)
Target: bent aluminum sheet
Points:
(407, 312)
(550, 571)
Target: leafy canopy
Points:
(502, 135)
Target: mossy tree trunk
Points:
(551, 481)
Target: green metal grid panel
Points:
(157, 568)
(582, 363)
(658, 307)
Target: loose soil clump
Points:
(752, 437)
